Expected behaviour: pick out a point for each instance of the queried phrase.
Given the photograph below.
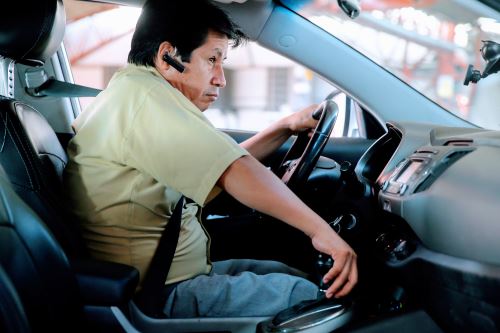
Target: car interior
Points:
(417, 199)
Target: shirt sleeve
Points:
(173, 142)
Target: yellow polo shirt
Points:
(137, 147)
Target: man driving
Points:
(144, 143)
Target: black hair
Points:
(183, 23)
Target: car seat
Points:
(12, 316)
(33, 160)
(37, 266)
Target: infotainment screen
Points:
(408, 171)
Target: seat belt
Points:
(53, 87)
(151, 298)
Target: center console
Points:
(417, 172)
(320, 315)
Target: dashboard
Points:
(444, 182)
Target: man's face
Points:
(203, 76)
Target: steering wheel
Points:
(302, 156)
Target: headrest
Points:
(31, 32)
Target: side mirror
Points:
(490, 52)
(350, 7)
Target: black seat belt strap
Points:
(151, 298)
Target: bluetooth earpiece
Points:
(173, 62)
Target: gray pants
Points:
(240, 288)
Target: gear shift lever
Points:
(323, 265)
(324, 262)
(318, 315)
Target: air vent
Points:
(459, 142)
(440, 168)
(427, 151)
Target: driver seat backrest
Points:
(37, 267)
(33, 159)
(12, 316)
(30, 151)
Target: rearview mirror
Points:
(350, 7)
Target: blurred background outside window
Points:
(426, 43)
(262, 86)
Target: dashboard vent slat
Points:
(459, 142)
(439, 169)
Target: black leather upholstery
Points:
(33, 160)
(105, 283)
(12, 316)
(37, 267)
(53, 296)
(34, 223)
(45, 142)
(41, 30)
(34, 163)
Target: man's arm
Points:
(252, 184)
(267, 141)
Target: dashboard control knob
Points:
(344, 222)
(402, 249)
(394, 247)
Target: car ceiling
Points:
(139, 3)
(495, 4)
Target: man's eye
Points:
(212, 60)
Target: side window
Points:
(262, 86)
(97, 41)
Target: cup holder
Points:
(321, 315)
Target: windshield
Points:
(426, 43)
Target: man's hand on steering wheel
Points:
(303, 120)
(302, 156)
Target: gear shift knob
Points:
(323, 265)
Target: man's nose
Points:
(219, 79)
